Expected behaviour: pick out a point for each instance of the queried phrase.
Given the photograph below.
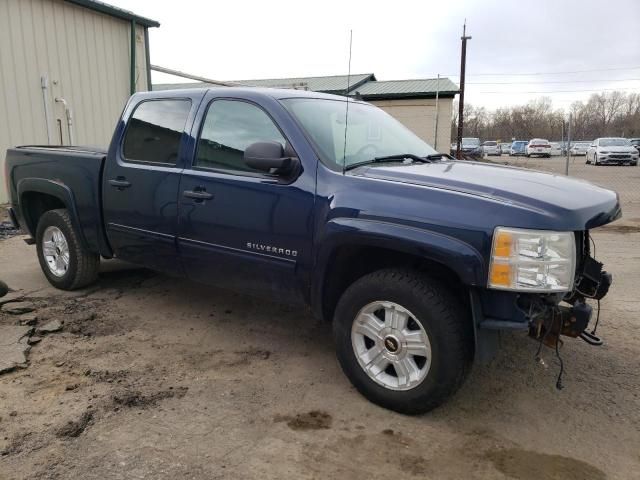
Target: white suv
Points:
(491, 148)
(612, 150)
(539, 146)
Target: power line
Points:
(555, 81)
(547, 73)
(507, 92)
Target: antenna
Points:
(346, 113)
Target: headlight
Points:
(532, 260)
(605, 153)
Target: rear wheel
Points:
(64, 261)
(403, 340)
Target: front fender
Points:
(463, 259)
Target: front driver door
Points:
(248, 231)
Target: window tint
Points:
(230, 126)
(154, 131)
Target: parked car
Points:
(505, 148)
(519, 147)
(579, 148)
(635, 142)
(417, 260)
(612, 151)
(471, 147)
(490, 148)
(539, 147)
(556, 149)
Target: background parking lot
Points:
(152, 377)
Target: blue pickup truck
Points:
(418, 261)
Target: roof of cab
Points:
(276, 93)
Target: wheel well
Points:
(35, 204)
(349, 263)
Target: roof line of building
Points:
(115, 12)
(413, 79)
(299, 78)
(405, 96)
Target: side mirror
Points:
(268, 157)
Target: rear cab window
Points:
(154, 131)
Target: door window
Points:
(230, 126)
(154, 131)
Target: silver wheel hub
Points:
(391, 345)
(55, 250)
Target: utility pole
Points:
(435, 135)
(566, 165)
(463, 62)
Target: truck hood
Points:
(578, 204)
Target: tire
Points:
(595, 160)
(435, 312)
(81, 265)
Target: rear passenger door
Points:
(249, 231)
(141, 180)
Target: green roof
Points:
(330, 84)
(115, 12)
(389, 89)
(363, 85)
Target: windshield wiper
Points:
(399, 156)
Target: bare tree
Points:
(604, 114)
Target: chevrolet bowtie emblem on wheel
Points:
(260, 247)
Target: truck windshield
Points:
(371, 133)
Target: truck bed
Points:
(75, 172)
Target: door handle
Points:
(120, 183)
(198, 194)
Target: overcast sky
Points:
(526, 44)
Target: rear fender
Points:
(54, 189)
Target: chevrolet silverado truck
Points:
(418, 261)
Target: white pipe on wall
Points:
(69, 116)
(44, 84)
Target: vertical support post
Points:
(566, 165)
(132, 79)
(147, 58)
(463, 62)
(435, 136)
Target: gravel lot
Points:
(153, 377)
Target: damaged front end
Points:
(552, 316)
(546, 316)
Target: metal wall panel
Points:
(86, 57)
(419, 116)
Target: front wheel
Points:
(403, 340)
(64, 261)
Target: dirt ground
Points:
(153, 377)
